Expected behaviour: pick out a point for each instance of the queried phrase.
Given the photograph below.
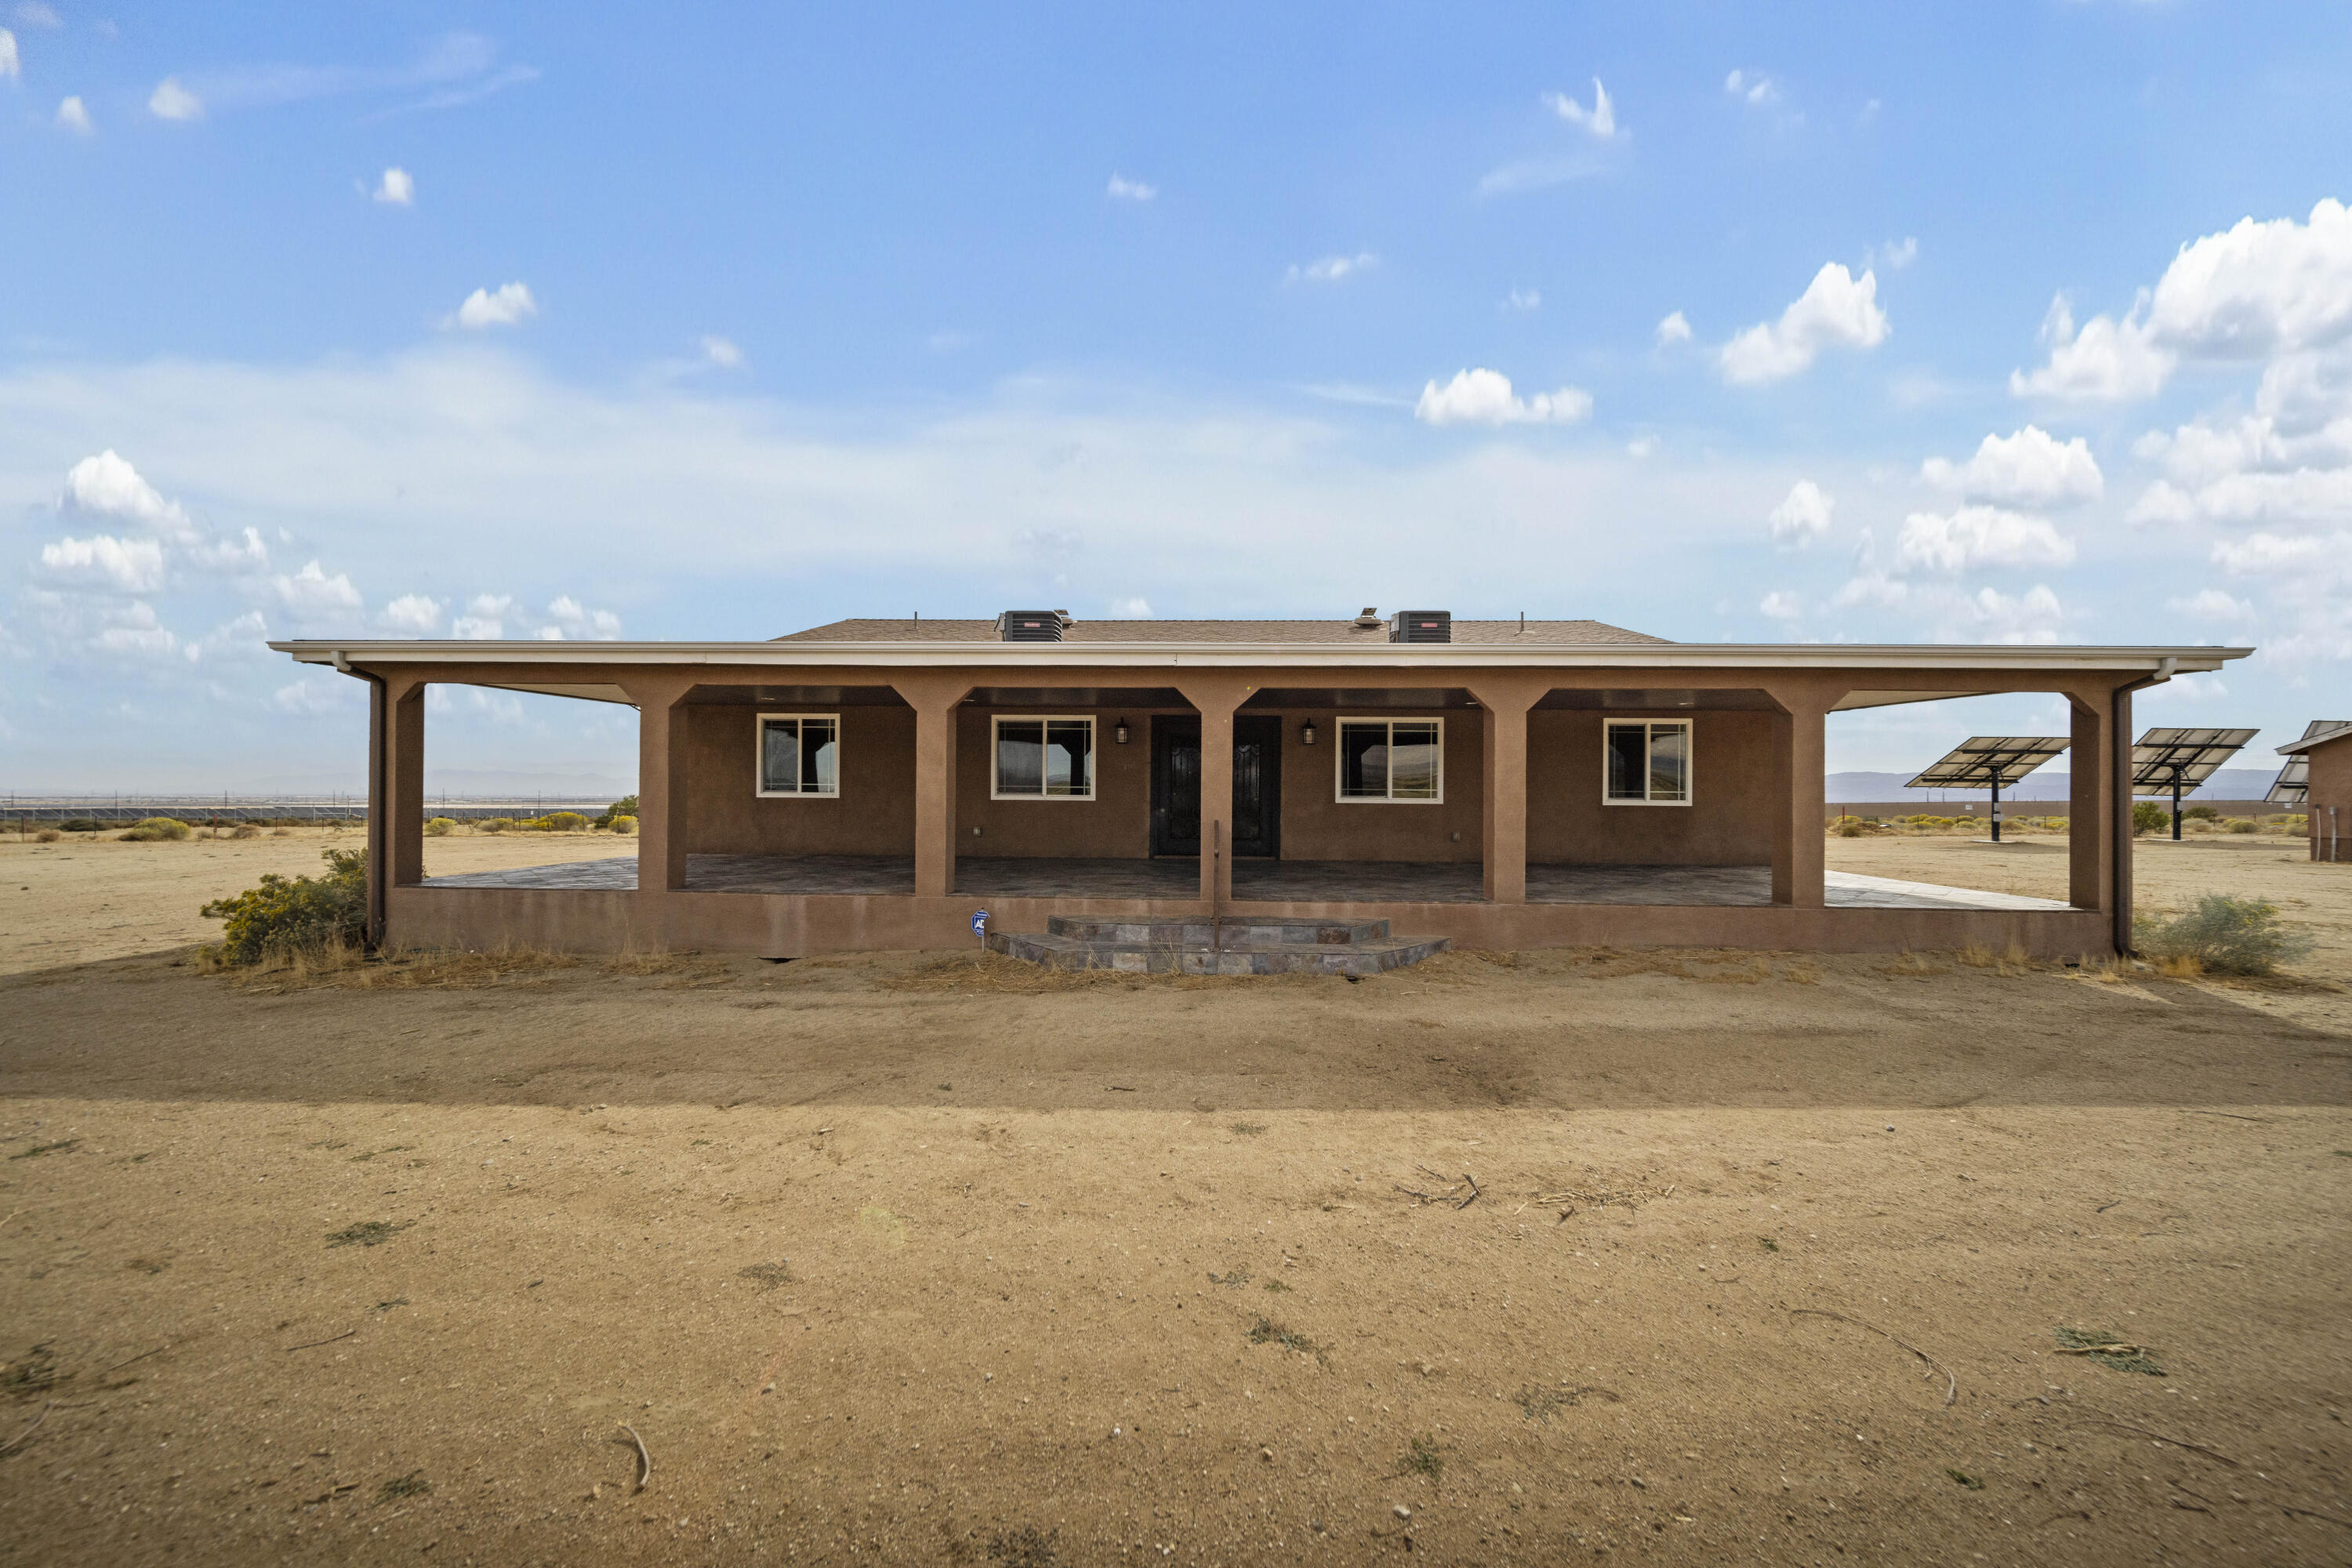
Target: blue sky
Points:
(472, 319)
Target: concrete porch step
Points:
(1194, 932)
(1374, 956)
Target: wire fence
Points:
(23, 813)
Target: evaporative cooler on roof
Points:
(2177, 759)
(1989, 762)
(1031, 626)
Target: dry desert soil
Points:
(903, 1258)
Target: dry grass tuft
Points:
(352, 969)
(2182, 966)
(1913, 966)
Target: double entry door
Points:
(1176, 785)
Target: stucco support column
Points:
(1215, 699)
(936, 701)
(1504, 841)
(1799, 767)
(661, 783)
(404, 777)
(2090, 803)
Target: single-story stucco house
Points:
(872, 784)
(2325, 754)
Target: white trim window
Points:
(799, 755)
(1646, 762)
(1401, 761)
(1049, 758)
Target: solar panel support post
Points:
(2176, 805)
(1995, 812)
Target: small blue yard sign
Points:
(980, 924)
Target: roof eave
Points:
(1688, 656)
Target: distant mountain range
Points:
(2227, 783)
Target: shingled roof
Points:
(1568, 633)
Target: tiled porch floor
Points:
(1255, 881)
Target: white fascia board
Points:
(1261, 656)
(2296, 748)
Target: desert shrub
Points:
(2296, 824)
(495, 824)
(81, 825)
(2148, 816)
(441, 827)
(557, 822)
(156, 829)
(246, 830)
(48, 835)
(2241, 824)
(625, 806)
(2226, 935)
(623, 824)
(288, 914)
(1847, 828)
(2202, 814)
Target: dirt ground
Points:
(92, 896)
(906, 1259)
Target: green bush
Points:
(2148, 817)
(624, 825)
(495, 824)
(2227, 935)
(2202, 814)
(2241, 824)
(289, 913)
(155, 829)
(81, 825)
(441, 827)
(625, 806)
(557, 822)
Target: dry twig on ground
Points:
(28, 1431)
(314, 1344)
(645, 1459)
(1952, 1383)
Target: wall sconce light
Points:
(1306, 733)
(1118, 733)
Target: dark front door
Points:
(1176, 786)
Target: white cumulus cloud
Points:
(1752, 88)
(72, 116)
(722, 352)
(2211, 605)
(1780, 605)
(1804, 515)
(310, 592)
(567, 618)
(1981, 536)
(485, 616)
(397, 188)
(414, 614)
(1137, 608)
(1675, 328)
(1523, 300)
(2276, 552)
(1836, 310)
(1485, 397)
(505, 307)
(170, 100)
(2253, 291)
(2031, 616)
(9, 64)
(107, 486)
(1601, 119)
(34, 14)
(2030, 469)
(1122, 189)
(102, 560)
(1331, 268)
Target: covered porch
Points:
(1259, 887)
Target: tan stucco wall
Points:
(874, 813)
(1318, 826)
(1115, 824)
(2330, 775)
(1727, 823)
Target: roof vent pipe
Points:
(1421, 626)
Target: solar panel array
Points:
(2164, 758)
(1985, 761)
